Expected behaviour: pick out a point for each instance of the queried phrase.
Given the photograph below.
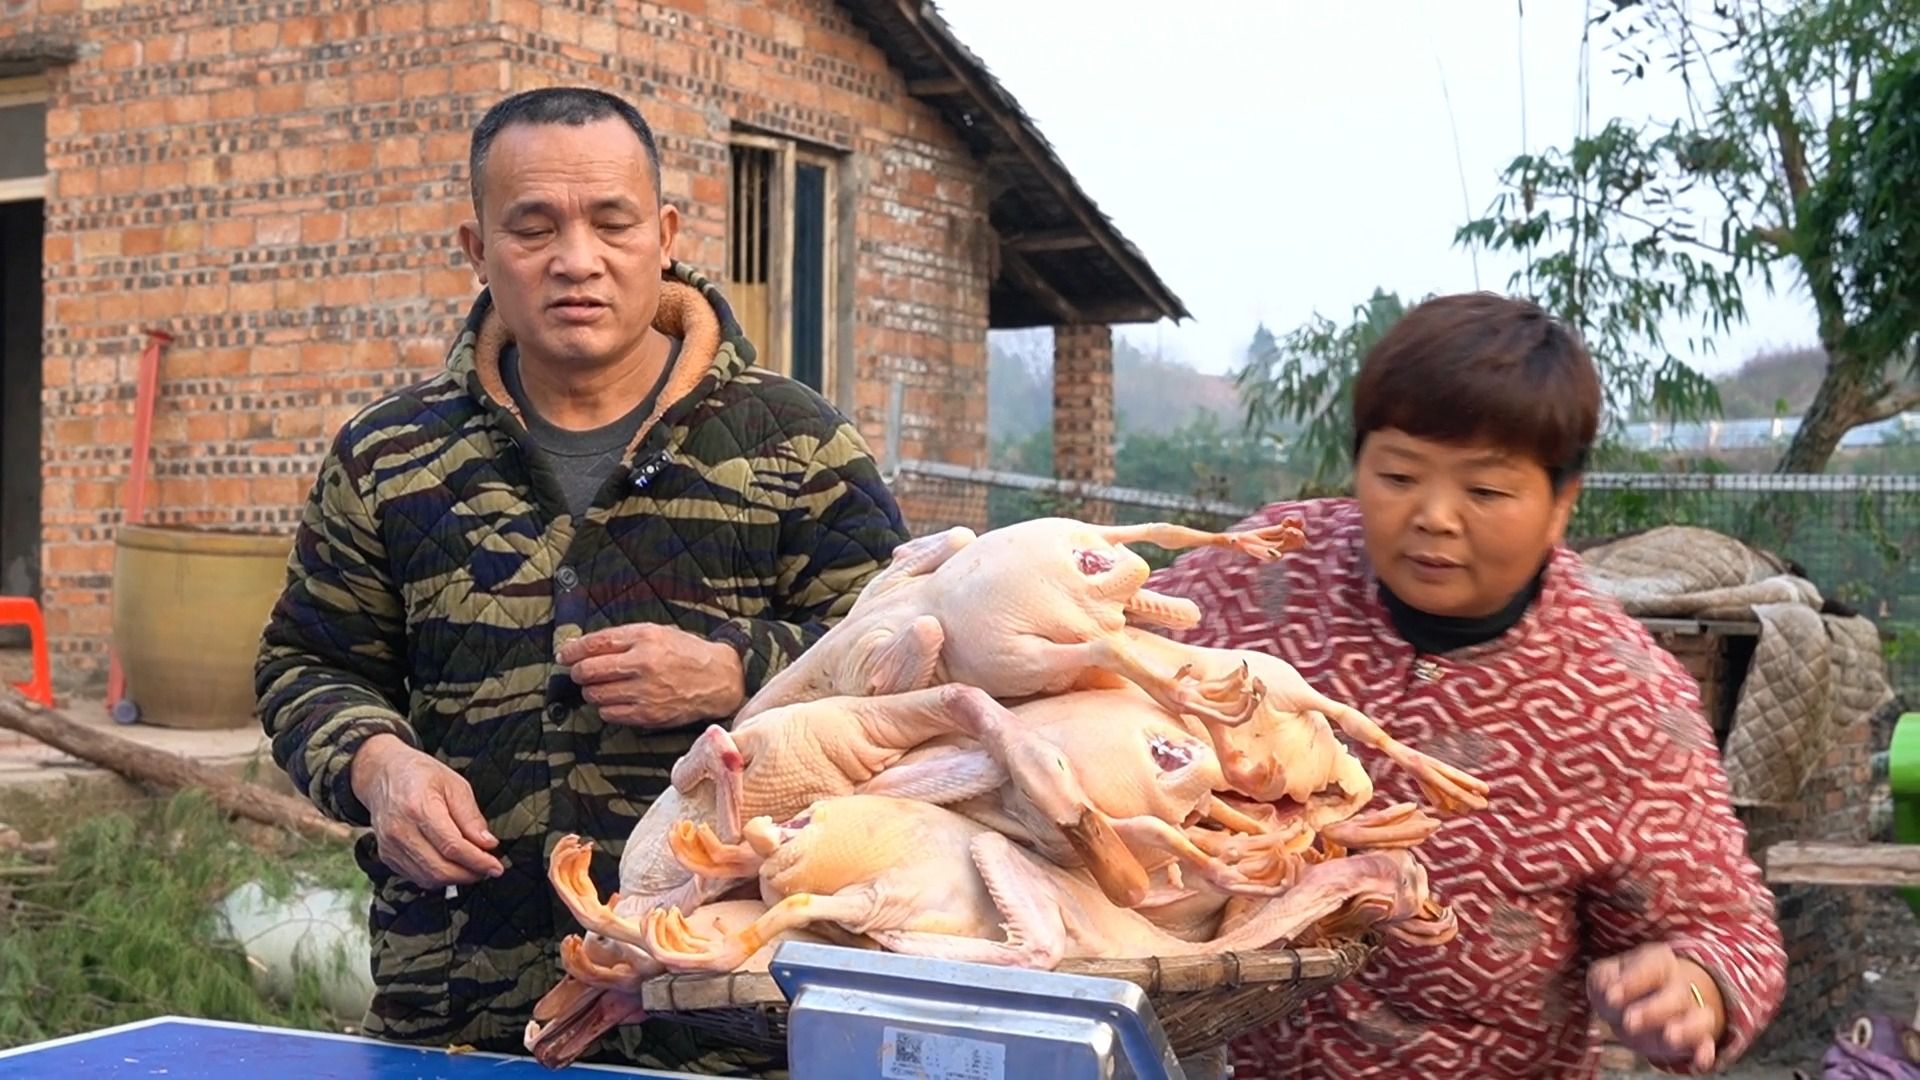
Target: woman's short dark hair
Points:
(1483, 368)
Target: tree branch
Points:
(1793, 152)
(1777, 235)
(1666, 232)
(1890, 404)
(148, 765)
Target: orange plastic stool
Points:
(22, 611)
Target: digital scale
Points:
(853, 1014)
(857, 1014)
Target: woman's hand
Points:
(1666, 1009)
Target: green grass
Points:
(121, 924)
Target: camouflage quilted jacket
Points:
(435, 572)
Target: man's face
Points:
(1456, 530)
(572, 239)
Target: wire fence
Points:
(1857, 538)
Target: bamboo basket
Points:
(1203, 1002)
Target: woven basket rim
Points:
(698, 992)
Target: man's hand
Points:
(1648, 996)
(650, 675)
(430, 830)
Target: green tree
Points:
(1800, 150)
(1298, 390)
(1206, 459)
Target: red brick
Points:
(56, 495)
(599, 35)
(274, 359)
(214, 43)
(143, 114)
(251, 296)
(322, 228)
(395, 18)
(559, 23)
(188, 108)
(121, 55)
(479, 76)
(450, 284)
(93, 495)
(121, 179)
(448, 149)
(346, 25)
(75, 183)
(240, 102)
(327, 93)
(346, 291)
(397, 154)
(256, 37)
(276, 99)
(75, 309)
(164, 175)
(228, 235)
(277, 229)
(227, 363)
(135, 242)
(426, 82)
(165, 302)
(206, 300)
(120, 306)
(299, 31)
(364, 221)
(400, 285)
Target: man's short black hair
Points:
(571, 105)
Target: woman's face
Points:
(1456, 530)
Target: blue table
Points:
(181, 1049)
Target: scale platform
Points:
(857, 1014)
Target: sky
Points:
(1274, 158)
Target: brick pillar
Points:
(1083, 403)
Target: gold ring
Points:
(1698, 999)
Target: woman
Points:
(1609, 876)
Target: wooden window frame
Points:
(14, 91)
(775, 354)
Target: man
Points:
(521, 587)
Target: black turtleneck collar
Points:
(1434, 634)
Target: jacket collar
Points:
(713, 352)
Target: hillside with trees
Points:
(1151, 393)
(1178, 429)
(1778, 383)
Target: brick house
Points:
(278, 184)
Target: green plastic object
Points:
(1903, 776)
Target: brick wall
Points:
(278, 185)
(1823, 926)
(1083, 433)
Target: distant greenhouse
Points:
(1763, 433)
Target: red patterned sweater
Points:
(1609, 824)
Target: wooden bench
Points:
(1896, 865)
(1806, 863)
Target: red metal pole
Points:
(135, 502)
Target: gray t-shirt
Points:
(580, 461)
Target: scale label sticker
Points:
(919, 1055)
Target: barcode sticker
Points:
(918, 1055)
